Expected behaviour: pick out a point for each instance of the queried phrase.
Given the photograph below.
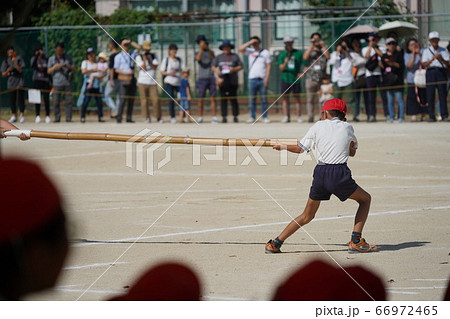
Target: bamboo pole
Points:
(152, 139)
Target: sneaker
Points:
(21, 119)
(266, 120)
(271, 249)
(186, 120)
(361, 247)
(160, 121)
(311, 119)
(13, 119)
(413, 118)
(250, 120)
(299, 119)
(214, 120)
(438, 117)
(83, 120)
(48, 119)
(235, 119)
(38, 119)
(200, 120)
(389, 120)
(285, 120)
(173, 120)
(148, 120)
(400, 120)
(224, 120)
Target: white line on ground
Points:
(92, 265)
(112, 292)
(403, 292)
(417, 288)
(221, 191)
(430, 279)
(134, 174)
(392, 212)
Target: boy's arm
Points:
(352, 149)
(188, 92)
(291, 148)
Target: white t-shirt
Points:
(428, 54)
(377, 70)
(87, 65)
(257, 62)
(343, 67)
(148, 76)
(172, 65)
(331, 140)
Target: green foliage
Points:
(381, 8)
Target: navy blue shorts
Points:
(206, 84)
(333, 179)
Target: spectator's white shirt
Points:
(88, 66)
(342, 73)
(428, 54)
(172, 65)
(257, 62)
(331, 140)
(377, 70)
(148, 76)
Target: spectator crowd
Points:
(357, 73)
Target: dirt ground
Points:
(216, 217)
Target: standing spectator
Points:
(102, 68)
(88, 67)
(373, 54)
(12, 68)
(259, 62)
(206, 79)
(392, 66)
(226, 66)
(416, 101)
(171, 70)
(290, 63)
(185, 97)
(316, 57)
(41, 81)
(61, 67)
(326, 89)
(436, 60)
(359, 73)
(147, 64)
(343, 61)
(124, 67)
(113, 83)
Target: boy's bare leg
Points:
(298, 106)
(200, 107)
(308, 214)
(363, 198)
(213, 106)
(285, 105)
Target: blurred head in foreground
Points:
(33, 240)
(165, 282)
(320, 281)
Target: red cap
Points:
(28, 199)
(166, 282)
(335, 104)
(319, 281)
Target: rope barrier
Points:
(273, 96)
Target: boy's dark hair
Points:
(52, 234)
(316, 33)
(326, 77)
(59, 45)
(256, 37)
(173, 46)
(336, 113)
